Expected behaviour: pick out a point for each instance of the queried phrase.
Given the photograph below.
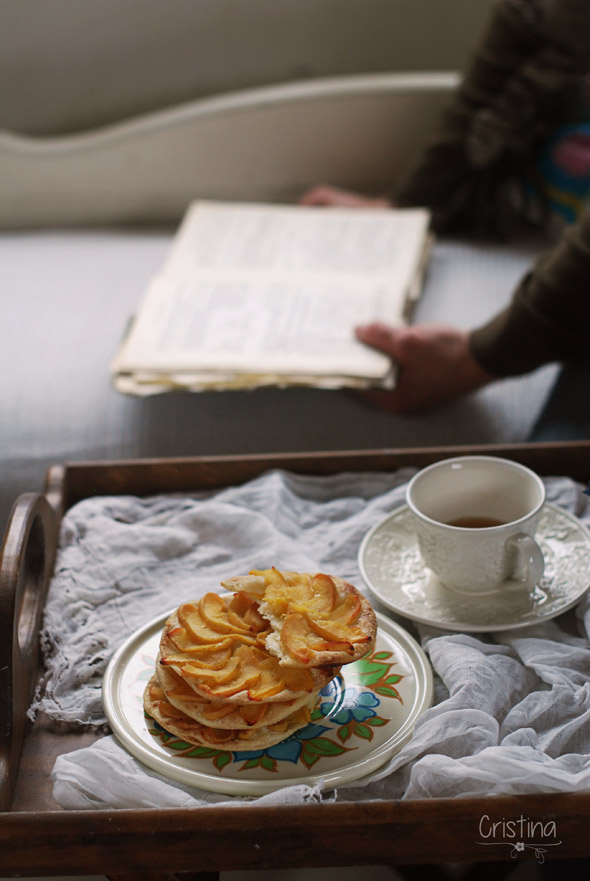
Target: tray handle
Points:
(26, 563)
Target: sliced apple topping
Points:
(197, 630)
(245, 675)
(217, 736)
(300, 642)
(325, 594)
(253, 584)
(249, 725)
(334, 632)
(328, 607)
(244, 671)
(165, 708)
(253, 714)
(244, 609)
(302, 592)
(212, 676)
(207, 621)
(214, 658)
(186, 644)
(275, 679)
(215, 710)
(348, 611)
(219, 617)
(286, 589)
(178, 690)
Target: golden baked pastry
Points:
(180, 724)
(210, 644)
(242, 671)
(226, 714)
(316, 620)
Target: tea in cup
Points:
(476, 518)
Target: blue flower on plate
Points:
(355, 706)
(287, 750)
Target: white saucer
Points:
(393, 570)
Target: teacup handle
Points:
(529, 565)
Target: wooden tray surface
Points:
(37, 837)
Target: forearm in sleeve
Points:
(549, 317)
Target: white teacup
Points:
(475, 520)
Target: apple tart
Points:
(243, 670)
(226, 713)
(316, 620)
(182, 725)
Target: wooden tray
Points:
(37, 837)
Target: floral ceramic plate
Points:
(363, 716)
(392, 568)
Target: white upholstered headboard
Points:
(266, 144)
(71, 65)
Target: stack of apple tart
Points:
(242, 670)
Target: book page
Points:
(228, 322)
(253, 238)
(253, 294)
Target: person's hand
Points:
(333, 197)
(434, 364)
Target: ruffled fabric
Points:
(511, 710)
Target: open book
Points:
(255, 295)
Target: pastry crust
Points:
(233, 669)
(242, 671)
(225, 714)
(316, 620)
(180, 724)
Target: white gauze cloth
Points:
(511, 712)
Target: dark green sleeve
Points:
(549, 317)
(475, 174)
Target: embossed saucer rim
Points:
(393, 597)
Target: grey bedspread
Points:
(68, 296)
